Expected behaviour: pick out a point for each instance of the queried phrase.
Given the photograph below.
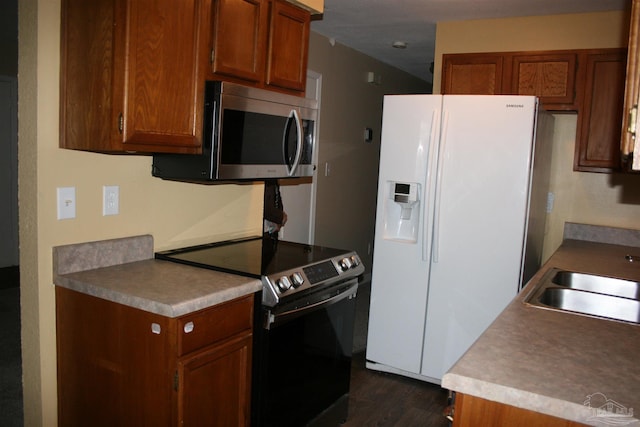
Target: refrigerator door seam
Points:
(440, 167)
(426, 207)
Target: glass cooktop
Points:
(253, 257)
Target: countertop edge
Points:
(168, 310)
(510, 396)
(124, 271)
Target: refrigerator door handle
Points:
(426, 237)
(436, 219)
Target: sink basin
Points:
(587, 294)
(593, 304)
(599, 284)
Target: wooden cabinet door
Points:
(472, 74)
(552, 77)
(119, 366)
(288, 46)
(91, 36)
(132, 75)
(164, 94)
(113, 363)
(215, 385)
(598, 133)
(239, 38)
(631, 156)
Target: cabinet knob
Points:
(156, 328)
(188, 327)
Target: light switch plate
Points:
(66, 202)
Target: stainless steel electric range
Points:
(304, 324)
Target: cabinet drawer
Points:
(205, 327)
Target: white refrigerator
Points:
(462, 199)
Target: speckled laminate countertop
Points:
(124, 271)
(551, 362)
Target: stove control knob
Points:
(345, 264)
(354, 261)
(284, 284)
(297, 280)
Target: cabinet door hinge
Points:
(121, 123)
(633, 114)
(176, 381)
(213, 55)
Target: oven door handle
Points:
(273, 319)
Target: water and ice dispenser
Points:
(402, 211)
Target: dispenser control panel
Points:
(401, 211)
(405, 193)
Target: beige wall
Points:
(600, 199)
(346, 199)
(176, 214)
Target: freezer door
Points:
(400, 268)
(479, 221)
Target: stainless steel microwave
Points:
(249, 134)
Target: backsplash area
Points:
(87, 256)
(601, 234)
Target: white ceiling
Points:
(371, 26)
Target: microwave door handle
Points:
(299, 141)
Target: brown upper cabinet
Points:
(472, 74)
(239, 38)
(261, 42)
(133, 71)
(598, 131)
(550, 76)
(586, 81)
(131, 78)
(288, 47)
(630, 145)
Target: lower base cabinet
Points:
(471, 411)
(121, 366)
(214, 384)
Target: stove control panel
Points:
(308, 278)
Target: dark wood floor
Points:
(387, 400)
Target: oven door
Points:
(302, 364)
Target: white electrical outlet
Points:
(550, 200)
(110, 200)
(66, 202)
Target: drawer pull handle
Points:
(188, 327)
(156, 329)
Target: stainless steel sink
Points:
(599, 284)
(587, 294)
